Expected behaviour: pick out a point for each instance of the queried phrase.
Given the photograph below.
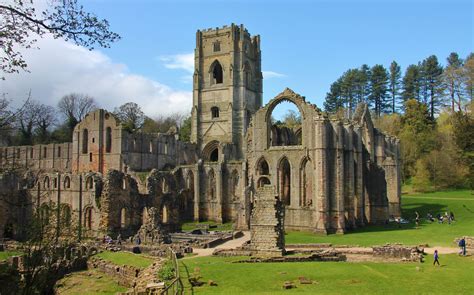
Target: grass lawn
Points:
(88, 282)
(5, 254)
(460, 202)
(219, 226)
(333, 277)
(126, 258)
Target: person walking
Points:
(417, 219)
(436, 257)
(462, 245)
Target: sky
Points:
(306, 45)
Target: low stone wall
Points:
(398, 251)
(125, 275)
(322, 256)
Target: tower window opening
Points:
(85, 141)
(217, 73)
(217, 46)
(108, 140)
(214, 157)
(215, 112)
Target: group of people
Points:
(442, 218)
(108, 240)
(462, 246)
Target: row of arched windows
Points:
(89, 184)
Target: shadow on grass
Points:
(409, 214)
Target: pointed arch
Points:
(262, 167)
(211, 151)
(306, 183)
(216, 73)
(211, 185)
(284, 180)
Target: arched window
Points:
(234, 185)
(217, 73)
(108, 140)
(263, 181)
(262, 167)
(59, 152)
(45, 152)
(88, 218)
(211, 185)
(46, 182)
(151, 147)
(123, 218)
(214, 155)
(85, 141)
(89, 183)
(67, 182)
(90, 157)
(306, 183)
(190, 181)
(284, 181)
(55, 181)
(164, 214)
(215, 112)
(285, 124)
(165, 186)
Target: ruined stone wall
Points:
(266, 226)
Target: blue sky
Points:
(309, 43)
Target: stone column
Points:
(339, 181)
(320, 178)
(359, 179)
(349, 174)
(197, 190)
(219, 181)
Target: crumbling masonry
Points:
(330, 175)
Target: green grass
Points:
(219, 226)
(88, 282)
(460, 202)
(126, 258)
(5, 254)
(333, 277)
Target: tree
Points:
(463, 133)
(185, 130)
(45, 119)
(27, 122)
(395, 76)
(378, 89)
(131, 116)
(21, 24)
(453, 79)
(411, 83)
(432, 71)
(468, 74)
(74, 107)
(333, 101)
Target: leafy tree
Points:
(432, 74)
(45, 120)
(333, 101)
(73, 108)
(463, 133)
(411, 83)
(453, 80)
(395, 76)
(416, 136)
(185, 130)
(468, 74)
(131, 116)
(22, 24)
(378, 89)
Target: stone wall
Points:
(398, 251)
(266, 224)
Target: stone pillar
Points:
(219, 182)
(267, 237)
(349, 175)
(359, 180)
(197, 190)
(320, 178)
(339, 223)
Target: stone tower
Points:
(227, 86)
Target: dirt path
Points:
(227, 245)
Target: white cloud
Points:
(60, 68)
(270, 74)
(179, 61)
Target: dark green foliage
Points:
(411, 83)
(378, 89)
(185, 130)
(395, 76)
(432, 84)
(166, 272)
(463, 131)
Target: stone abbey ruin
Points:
(330, 175)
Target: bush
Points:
(166, 272)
